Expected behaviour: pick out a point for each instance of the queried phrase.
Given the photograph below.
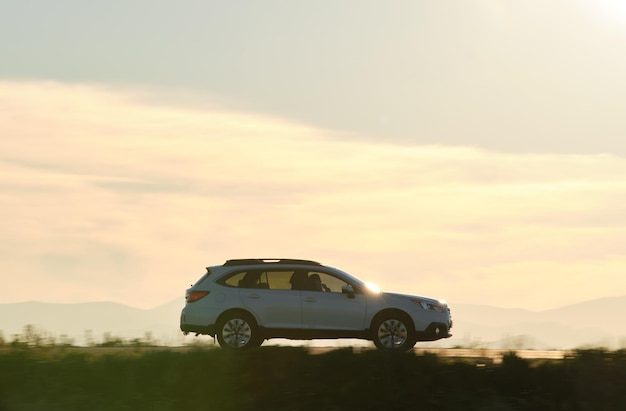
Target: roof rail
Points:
(248, 261)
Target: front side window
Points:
(319, 281)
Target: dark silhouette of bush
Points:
(290, 378)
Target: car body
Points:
(246, 301)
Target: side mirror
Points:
(347, 289)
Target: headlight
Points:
(430, 305)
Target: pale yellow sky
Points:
(108, 196)
(468, 150)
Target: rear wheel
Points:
(393, 332)
(238, 331)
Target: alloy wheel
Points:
(392, 334)
(237, 333)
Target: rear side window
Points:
(272, 280)
(279, 280)
(233, 280)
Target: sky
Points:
(473, 151)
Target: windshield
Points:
(358, 284)
(350, 278)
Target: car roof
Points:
(262, 261)
(257, 263)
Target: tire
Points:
(393, 332)
(238, 331)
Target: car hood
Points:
(410, 297)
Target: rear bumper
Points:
(198, 329)
(193, 323)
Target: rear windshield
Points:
(204, 276)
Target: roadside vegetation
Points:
(39, 374)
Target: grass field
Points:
(292, 378)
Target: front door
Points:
(324, 307)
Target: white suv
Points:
(243, 302)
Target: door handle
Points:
(253, 296)
(310, 299)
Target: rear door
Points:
(268, 295)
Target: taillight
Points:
(193, 296)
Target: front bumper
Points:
(434, 332)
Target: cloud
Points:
(507, 75)
(111, 194)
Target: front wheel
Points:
(393, 332)
(238, 331)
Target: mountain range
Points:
(594, 323)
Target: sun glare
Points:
(373, 288)
(611, 13)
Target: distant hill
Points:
(77, 321)
(597, 322)
(591, 323)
